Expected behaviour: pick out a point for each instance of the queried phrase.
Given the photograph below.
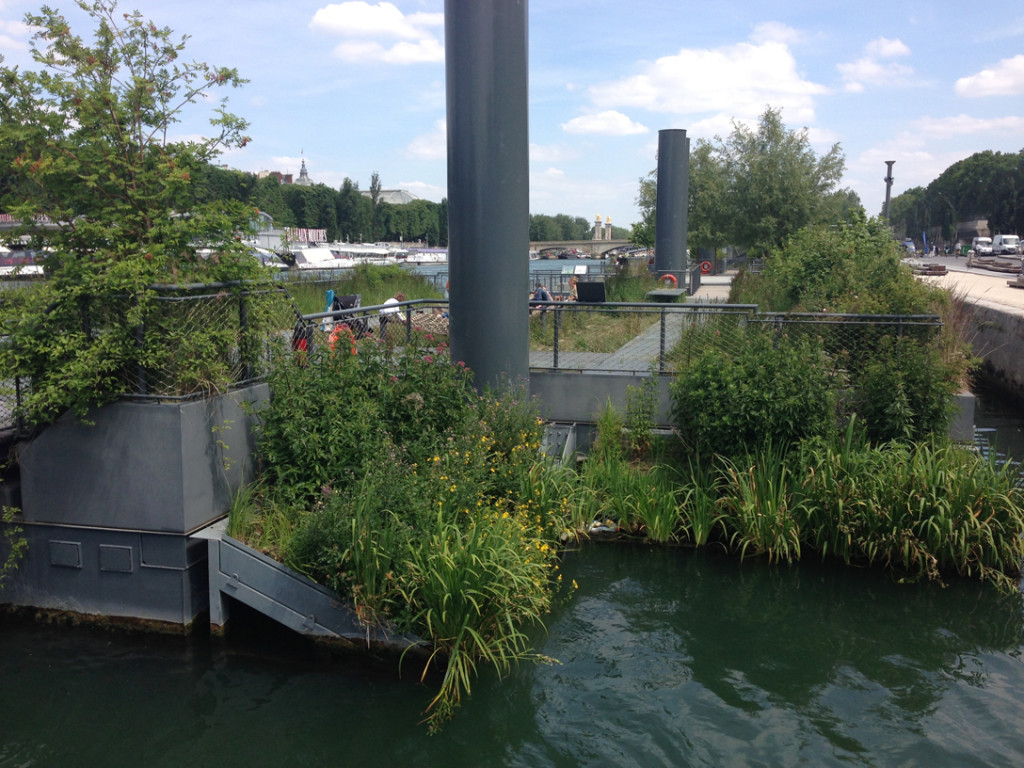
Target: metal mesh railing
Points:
(174, 342)
(196, 339)
(420, 321)
(620, 337)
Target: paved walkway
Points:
(980, 285)
(644, 351)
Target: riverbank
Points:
(996, 313)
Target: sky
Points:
(358, 87)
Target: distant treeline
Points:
(349, 214)
(987, 185)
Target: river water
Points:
(666, 657)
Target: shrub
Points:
(730, 403)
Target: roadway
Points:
(978, 284)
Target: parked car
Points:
(1008, 244)
(982, 246)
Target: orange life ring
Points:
(705, 267)
(675, 283)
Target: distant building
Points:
(287, 178)
(304, 179)
(393, 196)
(282, 178)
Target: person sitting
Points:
(391, 311)
(573, 295)
(540, 294)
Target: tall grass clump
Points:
(414, 496)
(761, 506)
(921, 511)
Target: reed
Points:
(918, 510)
(761, 506)
(699, 504)
(472, 587)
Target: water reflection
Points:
(721, 662)
(668, 657)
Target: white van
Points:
(1005, 244)
(982, 246)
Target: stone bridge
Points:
(593, 248)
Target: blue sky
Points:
(358, 87)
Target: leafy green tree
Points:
(375, 200)
(267, 196)
(97, 181)
(985, 186)
(355, 212)
(777, 184)
(92, 154)
(754, 189)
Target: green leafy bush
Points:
(905, 391)
(772, 391)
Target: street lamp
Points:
(888, 186)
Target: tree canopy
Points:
(755, 188)
(987, 185)
(115, 204)
(92, 171)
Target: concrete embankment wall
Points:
(997, 335)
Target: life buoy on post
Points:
(705, 267)
(666, 278)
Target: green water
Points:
(667, 657)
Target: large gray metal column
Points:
(488, 187)
(673, 197)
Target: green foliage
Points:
(901, 387)
(334, 411)
(772, 391)
(854, 268)
(905, 391)
(761, 505)
(14, 542)
(919, 511)
(754, 189)
(640, 406)
(111, 202)
(416, 497)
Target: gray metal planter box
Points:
(167, 467)
(108, 508)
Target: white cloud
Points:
(430, 146)
(360, 18)
(776, 32)
(877, 66)
(423, 51)
(736, 80)
(608, 123)
(14, 36)
(552, 153)
(966, 125)
(1005, 79)
(370, 31)
(884, 48)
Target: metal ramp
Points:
(559, 441)
(286, 596)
